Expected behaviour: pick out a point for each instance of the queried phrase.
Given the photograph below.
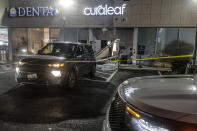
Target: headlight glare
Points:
(17, 70)
(142, 125)
(56, 73)
(21, 63)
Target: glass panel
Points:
(187, 41)
(19, 42)
(48, 50)
(65, 49)
(80, 50)
(167, 42)
(83, 35)
(55, 34)
(3, 44)
(146, 39)
(36, 40)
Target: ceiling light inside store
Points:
(1, 43)
(104, 29)
(24, 50)
(66, 3)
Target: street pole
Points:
(195, 49)
(193, 65)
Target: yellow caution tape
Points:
(169, 57)
(144, 59)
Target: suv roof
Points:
(68, 42)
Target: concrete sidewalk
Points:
(135, 67)
(7, 66)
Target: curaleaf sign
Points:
(105, 10)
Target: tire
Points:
(93, 71)
(72, 79)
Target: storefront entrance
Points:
(3, 44)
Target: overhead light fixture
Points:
(24, 50)
(66, 3)
(104, 29)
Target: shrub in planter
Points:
(179, 66)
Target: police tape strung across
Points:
(105, 10)
(33, 11)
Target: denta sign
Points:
(33, 11)
(105, 10)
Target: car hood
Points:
(172, 97)
(42, 59)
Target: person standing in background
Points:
(130, 56)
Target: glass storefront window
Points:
(19, 42)
(175, 41)
(187, 41)
(37, 39)
(55, 34)
(167, 42)
(147, 39)
(3, 44)
(27, 41)
(83, 35)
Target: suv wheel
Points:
(72, 79)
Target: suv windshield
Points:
(59, 49)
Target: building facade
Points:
(162, 27)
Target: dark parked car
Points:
(165, 103)
(57, 64)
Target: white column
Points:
(10, 44)
(135, 41)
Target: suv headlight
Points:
(17, 70)
(56, 73)
(56, 65)
(21, 63)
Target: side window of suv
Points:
(80, 50)
(86, 50)
(48, 50)
(89, 49)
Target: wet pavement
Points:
(30, 107)
(40, 108)
(39, 104)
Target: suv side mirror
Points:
(39, 52)
(79, 56)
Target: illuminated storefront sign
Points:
(33, 11)
(105, 10)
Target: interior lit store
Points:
(158, 42)
(27, 41)
(3, 44)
